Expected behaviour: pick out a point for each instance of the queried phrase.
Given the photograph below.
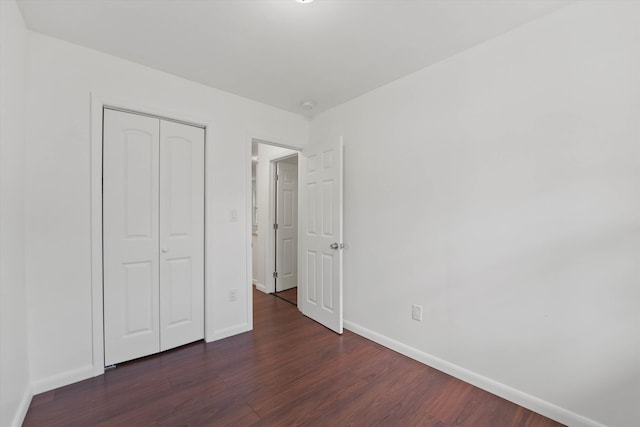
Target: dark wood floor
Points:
(288, 371)
(290, 295)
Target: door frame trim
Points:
(98, 103)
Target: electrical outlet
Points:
(233, 294)
(416, 312)
(233, 215)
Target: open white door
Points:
(320, 234)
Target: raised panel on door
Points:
(181, 234)
(287, 219)
(320, 235)
(130, 236)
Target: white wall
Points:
(500, 190)
(62, 76)
(266, 154)
(14, 366)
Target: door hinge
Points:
(275, 226)
(275, 274)
(277, 177)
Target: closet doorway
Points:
(153, 234)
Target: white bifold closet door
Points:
(153, 235)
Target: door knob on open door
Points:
(336, 246)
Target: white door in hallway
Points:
(287, 220)
(320, 236)
(153, 233)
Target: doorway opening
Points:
(320, 244)
(274, 240)
(153, 176)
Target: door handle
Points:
(165, 250)
(336, 246)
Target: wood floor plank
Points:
(288, 371)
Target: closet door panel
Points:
(130, 236)
(181, 234)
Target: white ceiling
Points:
(281, 52)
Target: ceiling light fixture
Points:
(304, 1)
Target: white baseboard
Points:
(62, 379)
(88, 371)
(261, 287)
(227, 332)
(23, 407)
(535, 404)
